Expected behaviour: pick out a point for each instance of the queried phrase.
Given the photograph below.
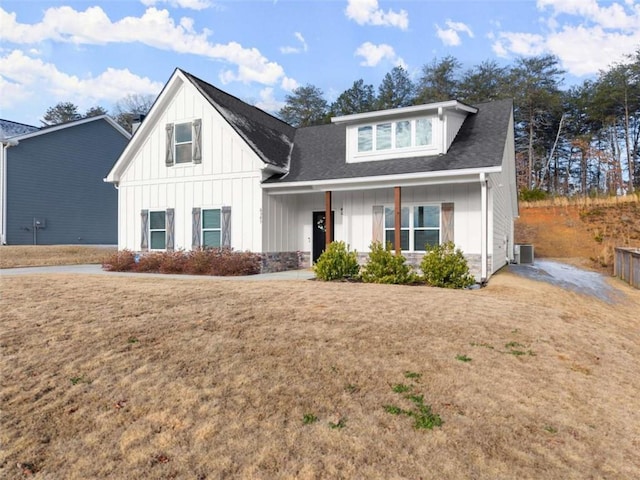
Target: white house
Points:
(207, 169)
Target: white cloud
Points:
(525, 44)
(302, 48)
(583, 34)
(450, 35)
(24, 77)
(374, 54)
(191, 4)
(615, 16)
(289, 84)
(267, 101)
(367, 12)
(155, 28)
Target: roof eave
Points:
(467, 175)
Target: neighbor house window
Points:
(395, 135)
(158, 230)
(183, 143)
(211, 228)
(420, 226)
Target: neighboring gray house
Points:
(51, 182)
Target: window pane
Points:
(428, 216)
(389, 217)
(211, 238)
(405, 217)
(383, 136)
(211, 218)
(183, 132)
(157, 240)
(156, 220)
(403, 134)
(183, 153)
(389, 221)
(389, 237)
(425, 237)
(365, 139)
(423, 131)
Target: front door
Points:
(319, 234)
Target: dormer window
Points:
(408, 132)
(395, 135)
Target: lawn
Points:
(107, 377)
(12, 256)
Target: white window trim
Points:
(411, 227)
(202, 229)
(164, 212)
(353, 155)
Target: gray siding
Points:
(57, 177)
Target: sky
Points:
(95, 52)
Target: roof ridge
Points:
(233, 97)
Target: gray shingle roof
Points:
(270, 137)
(10, 129)
(319, 151)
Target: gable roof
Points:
(319, 151)
(268, 136)
(10, 129)
(74, 123)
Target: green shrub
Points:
(384, 266)
(445, 266)
(532, 195)
(337, 262)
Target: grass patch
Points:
(221, 380)
(463, 358)
(309, 418)
(13, 256)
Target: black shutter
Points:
(195, 228)
(170, 230)
(144, 243)
(197, 141)
(225, 226)
(169, 151)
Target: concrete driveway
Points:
(305, 274)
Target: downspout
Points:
(3, 185)
(483, 228)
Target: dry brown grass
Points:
(12, 256)
(121, 378)
(582, 201)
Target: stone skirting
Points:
(282, 261)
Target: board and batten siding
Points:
(228, 175)
(502, 213)
(287, 219)
(57, 177)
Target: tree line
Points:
(125, 110)
(583, 140)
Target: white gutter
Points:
(484, 239)
(403, 177)
(3, 186)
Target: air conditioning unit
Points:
(526, 254)
(523, 254)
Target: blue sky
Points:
(94, 52)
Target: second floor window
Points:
(183, 143)
(417, 132)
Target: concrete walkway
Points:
(97, 270)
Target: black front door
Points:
(319, 234)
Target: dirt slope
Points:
(586, 233)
